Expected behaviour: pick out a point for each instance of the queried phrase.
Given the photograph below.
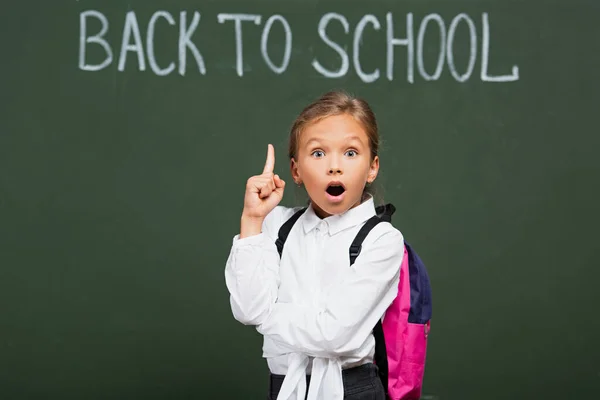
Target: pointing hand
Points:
(264, 191)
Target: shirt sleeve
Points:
(352, 307)
(252, 272)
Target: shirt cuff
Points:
(254, 240)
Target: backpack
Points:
(401, 335)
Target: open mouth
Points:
(335, 189)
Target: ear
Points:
(295, 172)
(374, 170)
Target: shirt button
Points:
(323, 228)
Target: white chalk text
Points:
(405, 39)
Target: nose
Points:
(334, 168)
(334, 165)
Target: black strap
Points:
(285, 229)
(380, 357)
(384, 214)
(356, 245)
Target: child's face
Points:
(334, 152)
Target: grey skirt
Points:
(360, 383)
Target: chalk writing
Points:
(288, 44)
(414, 37)
(473, 47)
(238, 18)
(358, 32)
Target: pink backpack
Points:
(401, 335)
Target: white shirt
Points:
(315, 311)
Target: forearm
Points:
(252, 278)
(322, 332)
(351, 308)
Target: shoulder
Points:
(385, 235)
(382, 249)
(277, 217)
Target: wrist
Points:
(250, 226)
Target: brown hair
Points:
(336, 103)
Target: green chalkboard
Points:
(128, 130)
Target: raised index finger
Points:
(270, 163)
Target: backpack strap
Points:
(384, 214)
(285, 229)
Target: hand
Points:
(264, 191)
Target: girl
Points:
(317, 313)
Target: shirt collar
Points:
(339, 222)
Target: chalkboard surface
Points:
(128, 130)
